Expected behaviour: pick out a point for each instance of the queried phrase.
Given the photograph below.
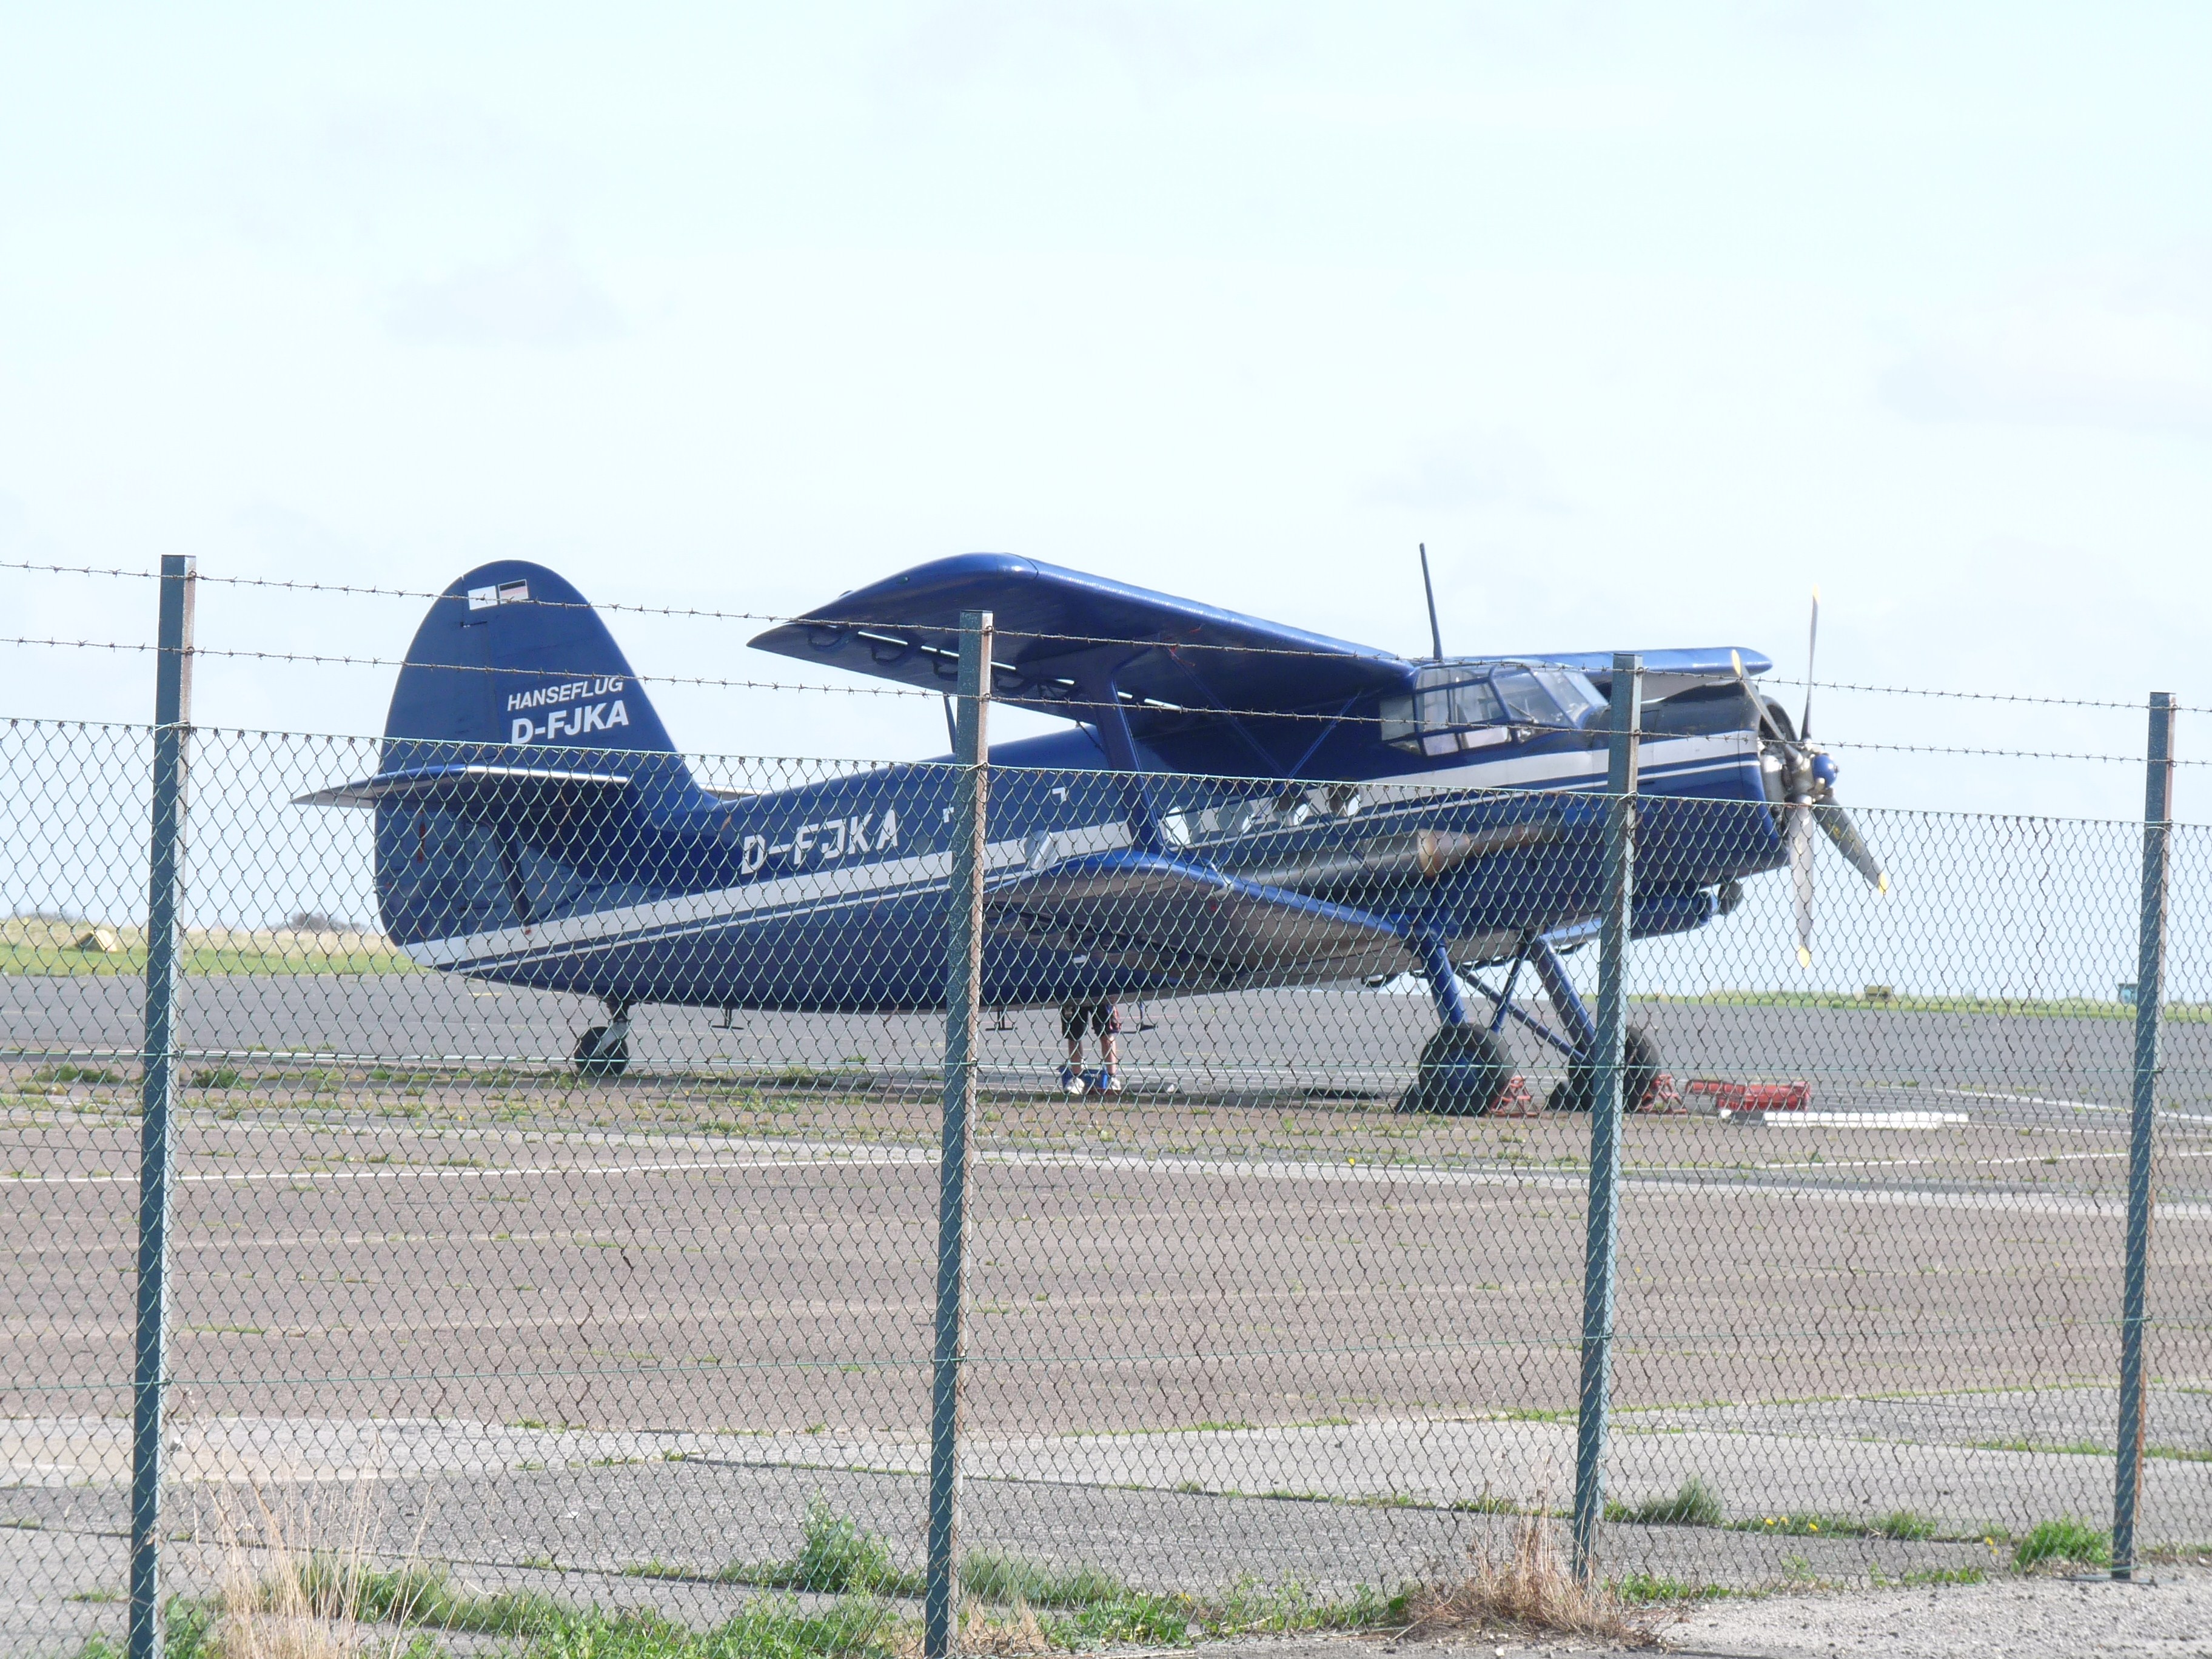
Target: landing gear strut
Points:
(604, 1051)
(1464, 1068)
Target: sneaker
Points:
(1071, 1080)
(1106, 1083)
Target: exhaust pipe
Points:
(1422, 855)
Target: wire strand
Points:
(1171, 646)
(1067, 706)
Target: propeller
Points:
(1812, 644)
(1852, 845)
(1801, 877)
(1808, 779)
(1766, 721)
(1800, 811)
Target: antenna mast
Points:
(1435, 634)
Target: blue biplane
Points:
(1234, 803)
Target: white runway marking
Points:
(1350, 1171)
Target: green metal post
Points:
(964, 966)
(173, 713)
(2150, 968)
(1605, 1108)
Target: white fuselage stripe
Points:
(845, 885)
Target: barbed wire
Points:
(474, 668)
(708, 613)
(812, 618)
(2036, 697)
(1068, 706)
(1053, 704)
(2027, 699)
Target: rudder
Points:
(514, 677)
(512, 655)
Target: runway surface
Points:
(1346, 1039)
(607, 1324)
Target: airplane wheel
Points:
(591, 1061)
(1463, 1070)
(1639, 1057)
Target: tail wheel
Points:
(1639, 1076)
(1462, 1073)
(596, 1057)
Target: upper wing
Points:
(1666, 673)
(1061, 634)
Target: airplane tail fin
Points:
(522, 762)
(514, 656)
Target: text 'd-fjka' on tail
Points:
(523, 769)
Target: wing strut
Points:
(1143, 812)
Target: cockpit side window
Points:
(1459, 706)
(1525, 695)
(1453, 696)
(1577, 697)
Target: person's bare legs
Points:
(1110, 1028)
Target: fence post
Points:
(173, 713)
(963, 969)
(1605, 1107)
(2150, 966)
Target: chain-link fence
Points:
(531, 1294)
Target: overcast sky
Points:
(1645, 318)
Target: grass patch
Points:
(1693, 1503)
(68, 1073)
(837, 1556)
(1906, 1525)
(770, 1627)
(1808, 1525)
(187, 1631)
(1485, 1504)
(417, 1597)
(994, 1576)
(2066, 1540)
(1650, 1589)
(2194, 1013)
(1288, 1609)
(1919, 1576)
(1013, 1606)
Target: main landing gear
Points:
(1464, 1069)
(604, 1051)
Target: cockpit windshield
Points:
(1471, 705)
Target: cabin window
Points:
(1397, 720)
(1576, 698)
(1459, 706)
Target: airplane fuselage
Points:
(832, 894)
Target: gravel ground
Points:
(2169, 1613)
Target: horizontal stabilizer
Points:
(460, 784)
(1198, 928)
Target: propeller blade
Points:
(1801, 878)
(1852, 844)
(1758, 703)
(1812, 643)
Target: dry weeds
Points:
(1014, 1634)
(286, 1594)
(1527, 1588)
